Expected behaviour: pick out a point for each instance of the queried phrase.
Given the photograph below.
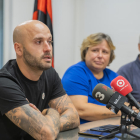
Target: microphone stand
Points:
(122, 128)
(129, 120)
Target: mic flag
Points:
(121, 85)
(105, 95)
(99, 94)
(117, 100)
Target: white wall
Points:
(15, 12)
(120, 19)
(73, 20)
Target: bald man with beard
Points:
(33, 103)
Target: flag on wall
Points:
(43, 12)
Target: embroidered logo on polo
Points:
(43, 95)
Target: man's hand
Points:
(135, 109)
(44, 112)
(34, 107)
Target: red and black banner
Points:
(43, 12)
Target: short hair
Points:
(95, 39)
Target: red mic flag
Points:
(121, 85)
(43, 12)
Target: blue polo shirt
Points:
(79, 80)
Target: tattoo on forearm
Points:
(69, 121)
(54, 117)
(69, 116)
(61, 104)
(29, 120)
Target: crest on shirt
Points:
(43, 95)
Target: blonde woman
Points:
(97, 52)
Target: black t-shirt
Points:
(15, 88)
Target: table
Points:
(73, 134)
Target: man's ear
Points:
(18, 48)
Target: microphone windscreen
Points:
(102, 93)
(121, 85)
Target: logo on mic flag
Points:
(104, 87)
(99, 96)
(120, 83)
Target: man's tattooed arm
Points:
(34, 123)
(69, 117)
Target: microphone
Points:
(121, 85)
(115, 101)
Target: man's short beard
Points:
(33, 61)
